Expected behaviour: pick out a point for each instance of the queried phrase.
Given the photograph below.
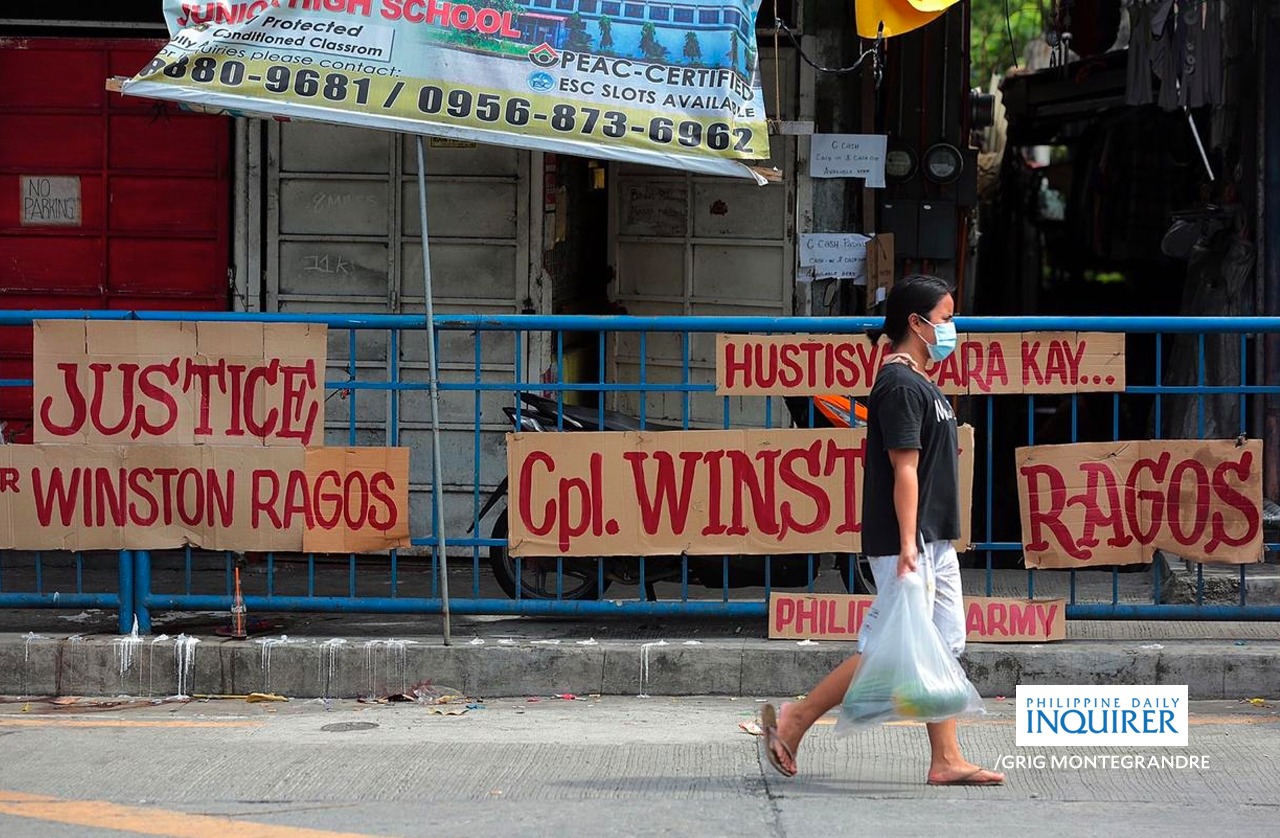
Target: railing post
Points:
(124, 589)
(142, 589)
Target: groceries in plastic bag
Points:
(907, 672)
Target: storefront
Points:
(187, 211)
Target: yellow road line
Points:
(56, 722)
(100, 814)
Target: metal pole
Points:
(437, 478)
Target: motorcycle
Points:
(587, 578)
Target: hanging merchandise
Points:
(1201, 82)
(1179, 42)
(1138, 87)
(896, 17)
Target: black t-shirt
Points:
(907, 410)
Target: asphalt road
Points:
(599, 767)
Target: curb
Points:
(338, 668)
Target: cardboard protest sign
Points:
(879, 268)
(361, 499)
(1072, 362)
(187, 383)
(1117, 502)
(983, 364)
(696, 492)
(151, 497)
(795, 365)
(989, 619)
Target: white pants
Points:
(939, 566)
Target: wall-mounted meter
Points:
(943, 163)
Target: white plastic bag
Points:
(907, 672)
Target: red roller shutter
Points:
(154, 191)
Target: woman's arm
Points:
(906, 500)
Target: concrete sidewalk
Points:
(614, 767)
(346, 656)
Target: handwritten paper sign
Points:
(752, 492)
(849, 155)
(50, 201)
(988, 619)
(1117, 502)
(834, 255)
(983, 364)
(655, 208)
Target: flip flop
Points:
(970, 779)
(769, 721)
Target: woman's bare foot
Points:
(788, 733)
(963, 773)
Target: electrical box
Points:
(902, 218)
(937, 230)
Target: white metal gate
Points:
(686, 244)
(343, 236)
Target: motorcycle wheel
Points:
(538, 573)
(862, 581)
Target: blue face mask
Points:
(944, 337)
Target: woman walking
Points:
(910, 515)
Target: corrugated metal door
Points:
(694, 245)
(343, 236)
(105, 201)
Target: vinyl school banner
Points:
(646, 82)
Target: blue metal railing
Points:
(408, 582)
(56, 579)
